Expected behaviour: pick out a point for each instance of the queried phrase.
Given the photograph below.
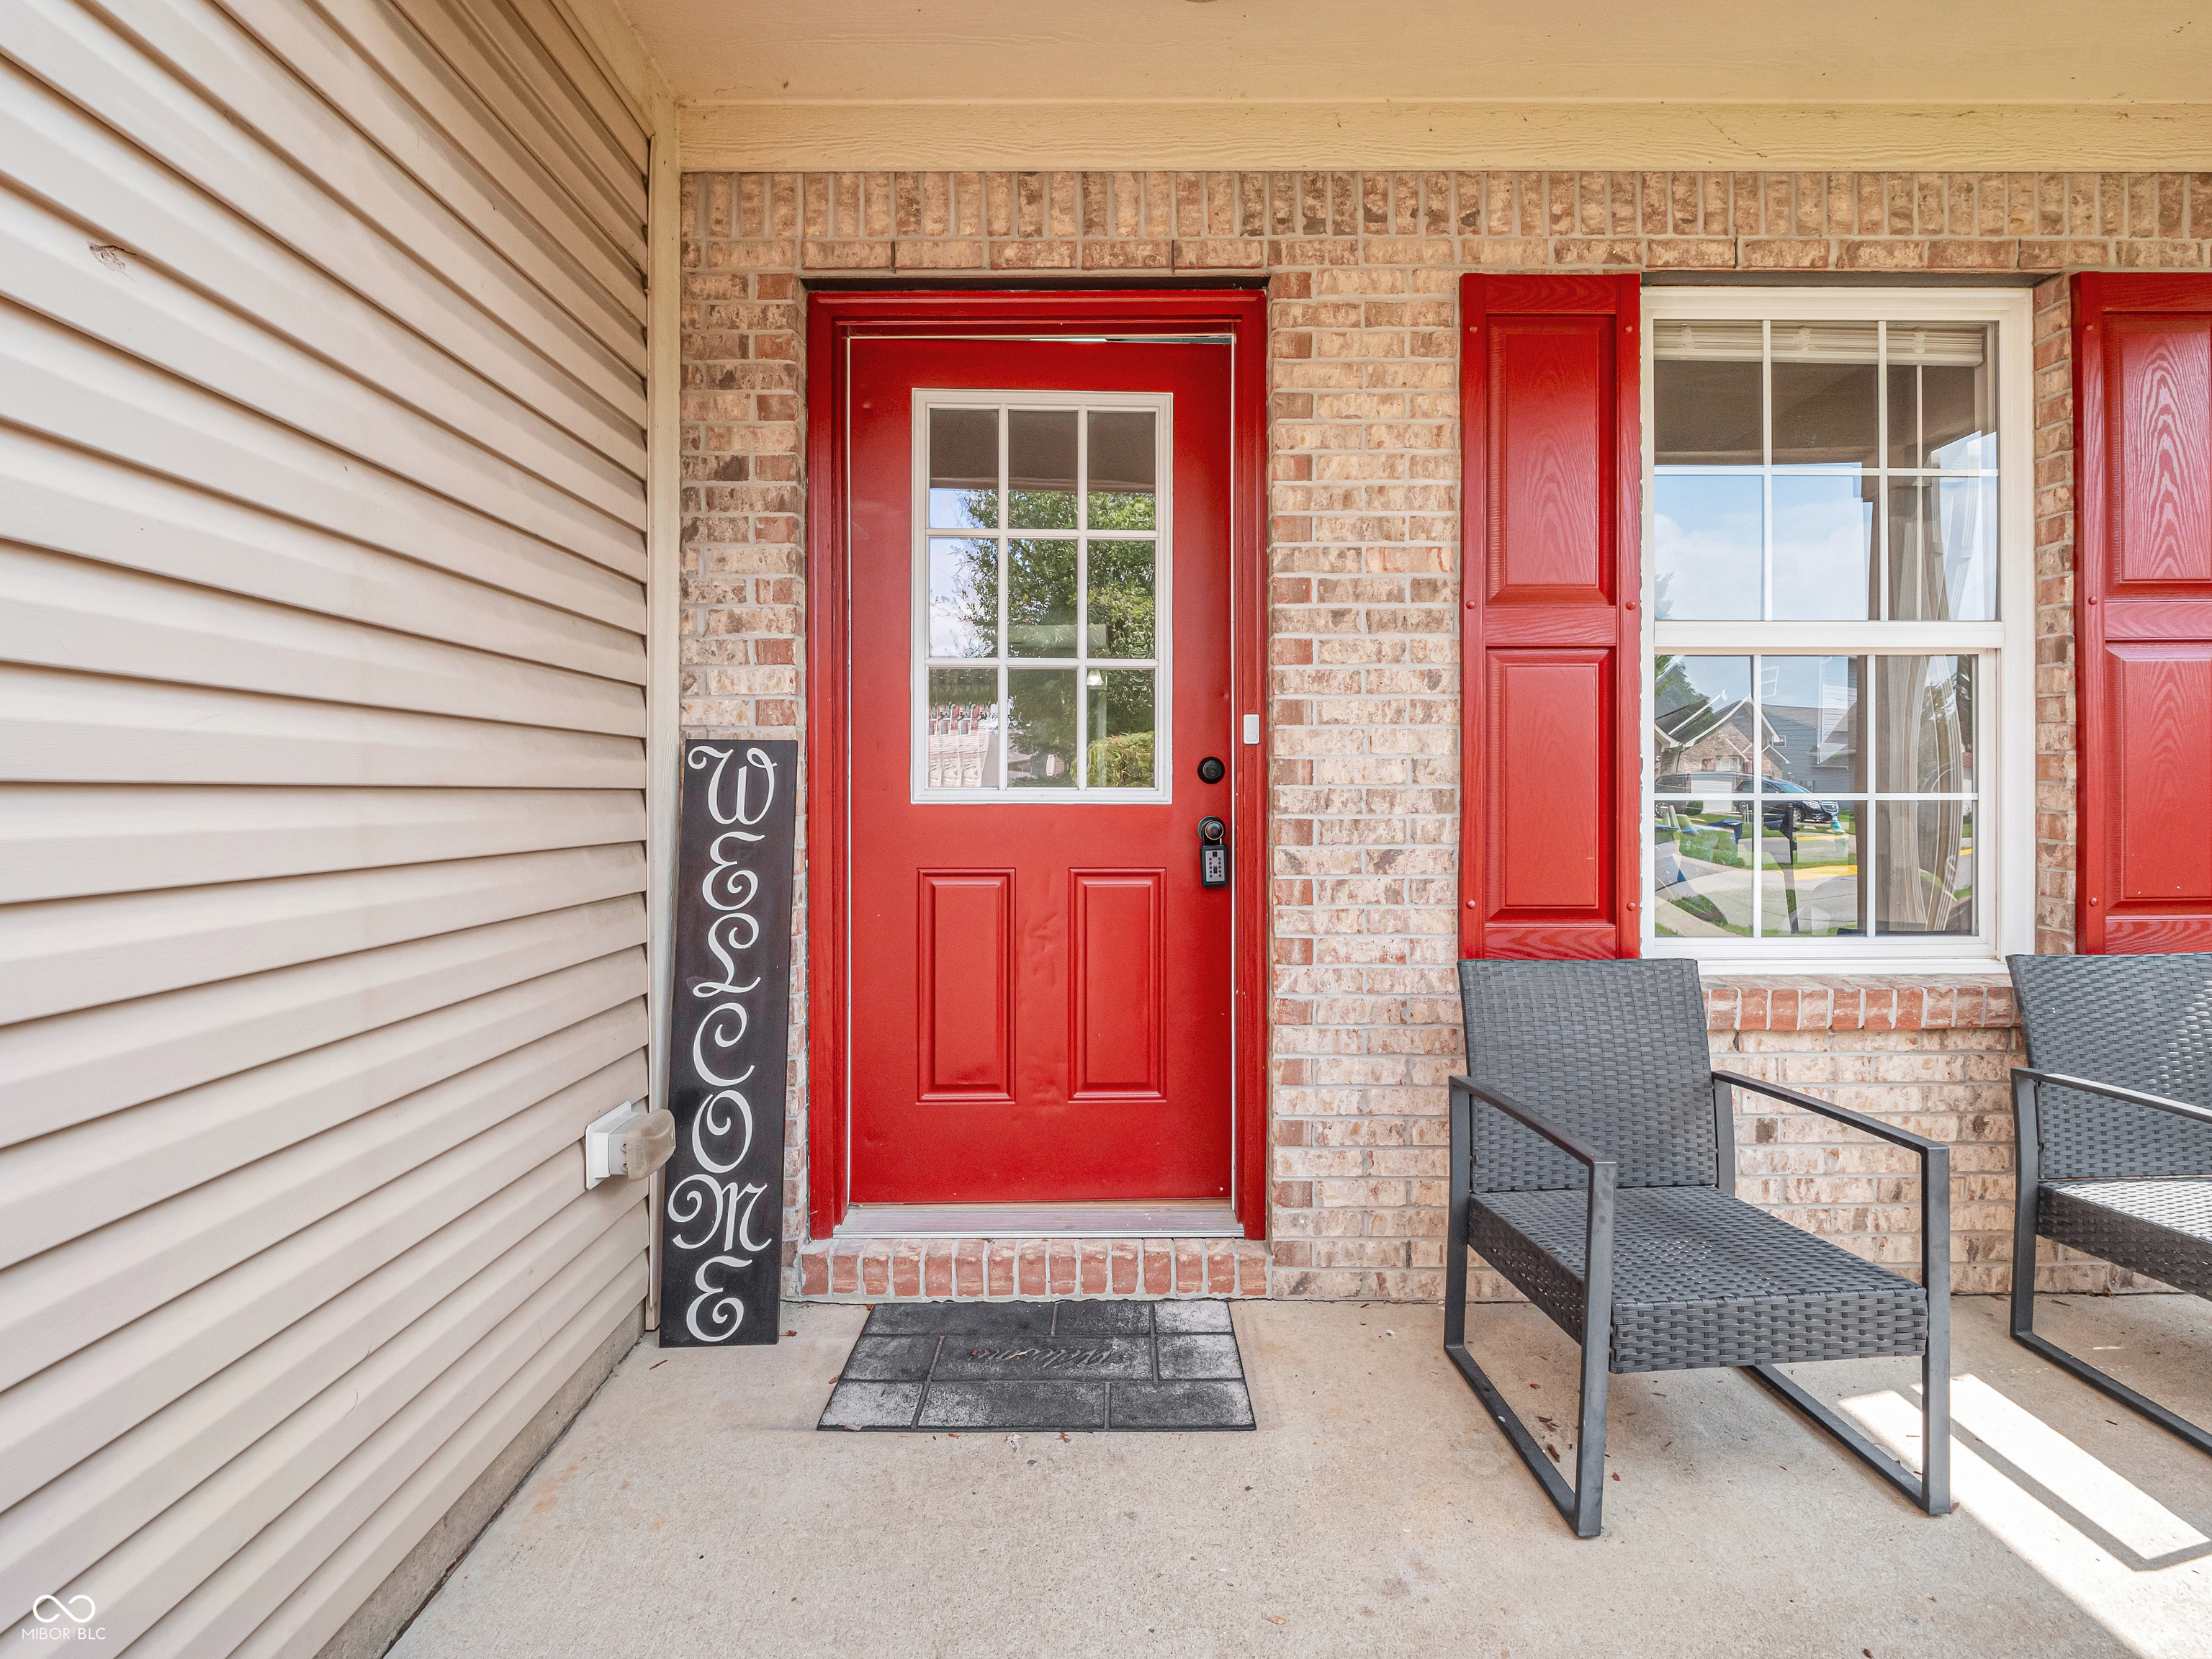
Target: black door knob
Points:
(1211, 770)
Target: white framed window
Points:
(1839, 602)
(1041, 600)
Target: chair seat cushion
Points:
(1700, 1278)
(2159, 1228)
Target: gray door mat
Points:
(934, 1367)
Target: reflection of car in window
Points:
(1782, 816)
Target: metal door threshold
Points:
(1198, 1218)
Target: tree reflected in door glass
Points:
(1119, 620)
(1121, 728)
(1040, 598)
(1042, 708)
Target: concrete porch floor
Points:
(693, 1510)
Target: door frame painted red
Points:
(2097, 296)
(833, 319)
(1482, 626)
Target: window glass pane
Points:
(1707, 401)
(1120, 728)
(1041, 469)
(964, 599)
(1043, 705)
(964, 468)
(963, 742)
(1809, 869)
(1942, 407)
(1927, 880)
(1040, 598)
(1123, 460)
(1701, 870)
(1703, 734)
(1823, 394)
(1925, 741)
(1810, 709)
(1707, 537)
(1119, 620)
(1943, 550)
(1823, 548)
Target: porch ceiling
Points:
(1433, 82)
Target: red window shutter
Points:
(2143, 598)
(1549, 641)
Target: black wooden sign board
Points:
(721, 1210)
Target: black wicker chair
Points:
(2115, 1141)
(1593, 1163)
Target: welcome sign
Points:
(729, 1035)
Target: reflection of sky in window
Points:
(1969, 454)
(963, 586)
(963, 509)
(1706, 536)
(1968, 514)
(1823, 529)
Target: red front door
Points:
(1041, 979)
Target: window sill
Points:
(1892, 1001)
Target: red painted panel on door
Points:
(2143, 619)
(2162, 710)
(1550, 730)
(2150, 936)
(1118, 983)
(1551, 458)
(965, 975)
(1549, 434)
(2162, 496)
(1550, 941)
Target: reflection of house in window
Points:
(1814, 746)
(1722, 741)
(1699, 732)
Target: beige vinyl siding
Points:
(323, 788)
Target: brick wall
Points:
(1362, 269)
(1933, 1060)
(2054, 619)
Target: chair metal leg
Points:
(2181, 1426)
(2027, 1161)
(2028, 1185)
(1932, 1495)
(1461, 1151)
(1931, 1489)
(1582, 1503)
(1582, 1510)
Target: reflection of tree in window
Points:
(1121, 580)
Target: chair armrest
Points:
(1934, 1188)
(1528, 1119)
(1604, 1178)
(2113, 1091)
(1872, 1125)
